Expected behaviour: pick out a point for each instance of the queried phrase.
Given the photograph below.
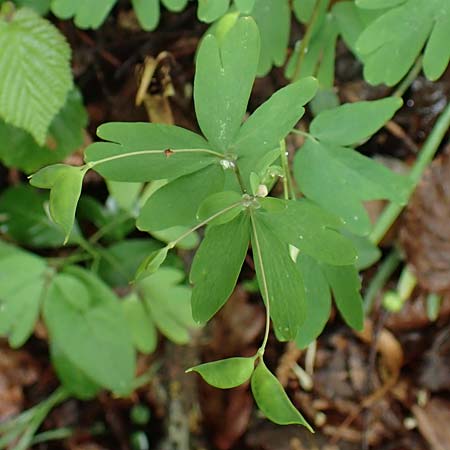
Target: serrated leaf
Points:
(392, 43)
(140, 152)
(86, 13)
(223, 81)
(22, 287)
(169, 303)
(279, 280)
(274, 22)
(272, 399)
(346, 179)
(217, 265)
(32, 90)
(318, 300)
(226, 373)
(177, 202)
(90, 331)
(226, 205)
(353, 122)
(345, 284)
(19, 149)
(140, 323)
(309, 228)
(25, 220)
(210, 10)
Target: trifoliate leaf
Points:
(18, 148)
(309, 228)
(279, 279)
(223, 81)
(32, 90)
(217, 265)
(220, 208)
(23, 282)
(318, 300)
(274, 22)
(272, 399)
(353, 122)
(345, 284)
(226, 373)
(147, 151)
(86, 322)
(392, 43)
(177, 202)
(86, 14)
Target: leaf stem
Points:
(410, 77)
(264, 286)
(424, 158)
(92, 164)
(288, 186)
(304, 134)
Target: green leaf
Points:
(217, 265)
(279, 279)
(86, 322)
(217, 203)
(368, 252)
(177, 202)
(169, 303)
(318, 300)
(303, 9)
(40, 6)
(86, 13)
(152, 263)
(346, 179)
(226, 373)
(210, 10)
(22, 287)
(32, 90)
(169, 235)
(175, 5)
(378, 4)
(353, 122)
(405, 28)
(140, 323)
(130, 155)
(274, 119)
(244, 6)
(66, 133)
(309, 228)
(65, 183)
(147, 13)
(125, 195)
(345, 284)
(272, 399)
(274, 22)
(223, 81)
(24, 218)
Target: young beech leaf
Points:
(226, 373)
(346, 179)
(228, 201)
(309, 228)
(318, 300)
(130, 155)
(65, 183)
(279, 279)
(31, 96)
(86, 322)
(272, 399)
(405, 28)
(274, 119)
(208, 11)
(22, 287)
(143, 331)
(353, 122)
(345, 284)
(217, 265)
(223, 81)
(152, 263)
(177, 202)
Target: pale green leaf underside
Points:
(32, 89)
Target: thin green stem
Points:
(52, 435)
(386, 269)
(306, 39)
(410, 77)
(257, 249)
(304, 134)
(109, 226)
(288, 185)
(203, 223)
(239, 177)
(167, 152)
(424, 158)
